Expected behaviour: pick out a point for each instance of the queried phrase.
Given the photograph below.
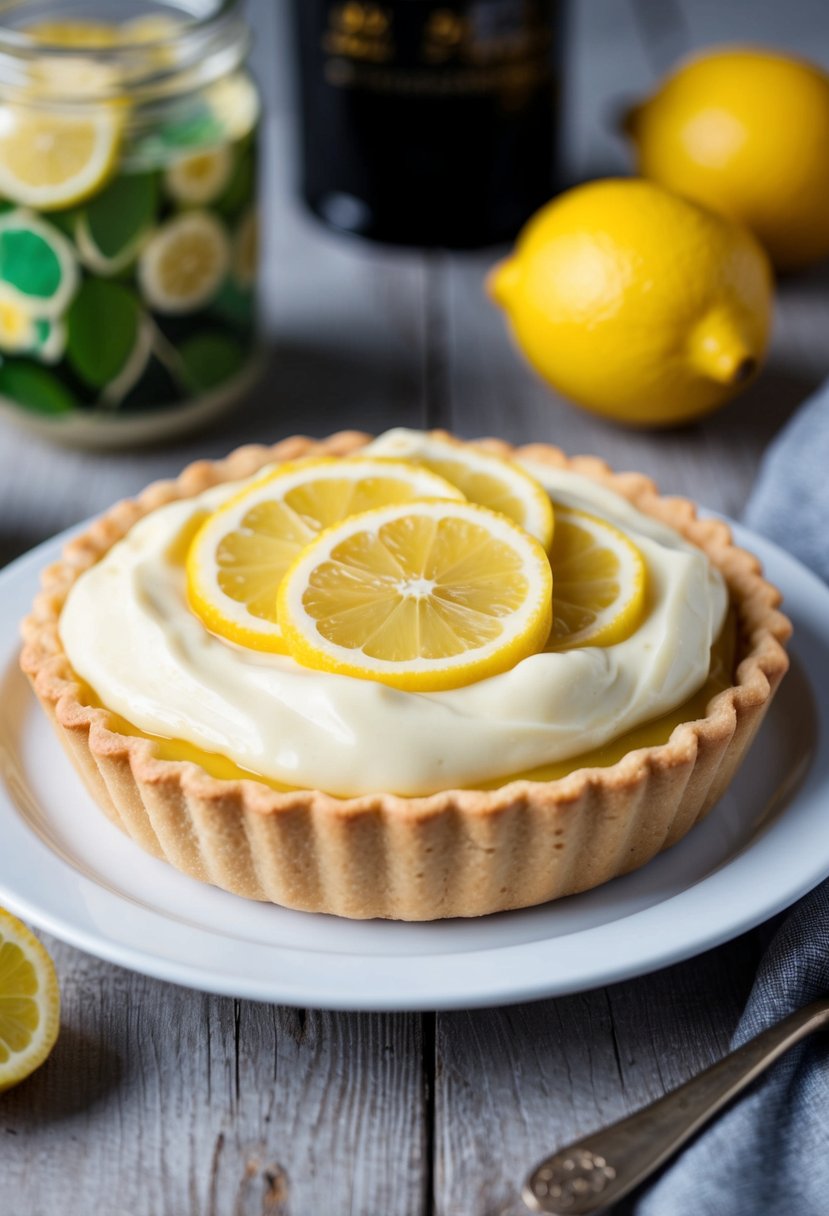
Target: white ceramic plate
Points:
(65, 868)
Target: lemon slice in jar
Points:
(235, 102)
(184, 263)
(236, 561)
(50, 160)
(420, 596)
(600, 582)
(29, 1002)
(199, 177)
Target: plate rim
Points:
(503, 985)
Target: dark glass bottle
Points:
(428, 123)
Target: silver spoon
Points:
(598, 1170)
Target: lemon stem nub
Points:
(628, 120)
(719, 351)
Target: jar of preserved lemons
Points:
(128, 150)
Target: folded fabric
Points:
(790, 500)
(768, 1154)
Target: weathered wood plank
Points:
(514, 1083)
(158, 1101)
(801, 28)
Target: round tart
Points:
(455, 852)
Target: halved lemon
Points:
(183, 264)
(29, 1002)
(600, 582)
(236, 560)
(50, 159)
(420, 596)
(484, 478)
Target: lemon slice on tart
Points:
(420, 596)
(600, 582)
(236, 560)
(50, 160)
(29, 1002)
(483, 478)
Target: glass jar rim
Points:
(207, 44)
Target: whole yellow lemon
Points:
(746, 132)
(637, 303)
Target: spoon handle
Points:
(599, 1169)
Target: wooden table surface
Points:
(159, 1101)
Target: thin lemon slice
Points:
(199, 177)
(600, 582)
(236, 560)
(183, 264)
(484, 478)
(29, 1002)
(420, 596)
(235, 102)
(50, 159)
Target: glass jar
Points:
(128, 230)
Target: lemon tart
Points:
(397, 722)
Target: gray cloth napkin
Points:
(768, 1155)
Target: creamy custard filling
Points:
(129, 634)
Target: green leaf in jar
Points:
(235, 305)
(65, 221)
(241, 188)
(188, 126)
(209, 359)
(102, 329)
(34, 388)
(112, 226)
(37, 263)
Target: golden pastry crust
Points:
(454, 853)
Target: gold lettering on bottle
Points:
(359, 31)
